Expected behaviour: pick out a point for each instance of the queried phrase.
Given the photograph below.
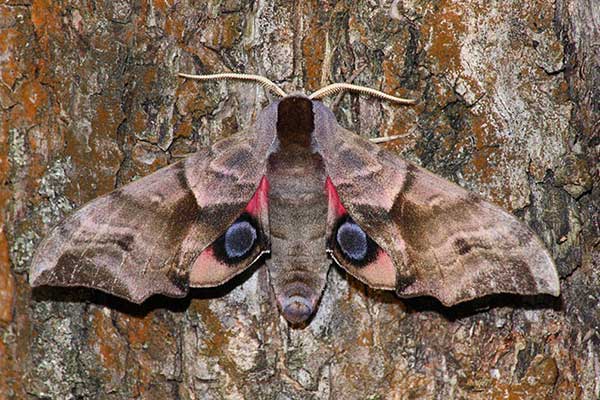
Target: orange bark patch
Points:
(314, 45)
(313, 51)
(7, 16)
(106, 340)
(231, 30)
(174, 27)
(479, 130)
(139, 122)
(219, 336)
(401, 123)
(538, 382)
(193, 99)
(108, 117)
(7, 283)
(161, 5)
(10, 41)
(443, 92)
(184, 129)
(409, 386)
(5, 366)
(365, 338)
(33, 97)
(445, 28)
(393, 67)
(150, 76)
(45, 16)
(138, 329)
(486, 151)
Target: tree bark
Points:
(507, 107)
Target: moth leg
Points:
(386, 139)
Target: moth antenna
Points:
(340, 87)
(243, 77)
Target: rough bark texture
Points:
(508, 107)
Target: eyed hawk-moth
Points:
(295, 191)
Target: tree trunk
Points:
(507, 107)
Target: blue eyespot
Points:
(239, 239)
(352, 240)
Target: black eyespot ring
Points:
(238, 241)
(353, 243)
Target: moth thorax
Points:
(295, 121)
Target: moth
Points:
(295, 191)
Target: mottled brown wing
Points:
(144, 238)
(444, 241)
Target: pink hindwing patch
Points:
(213, 267)
(376, 267)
